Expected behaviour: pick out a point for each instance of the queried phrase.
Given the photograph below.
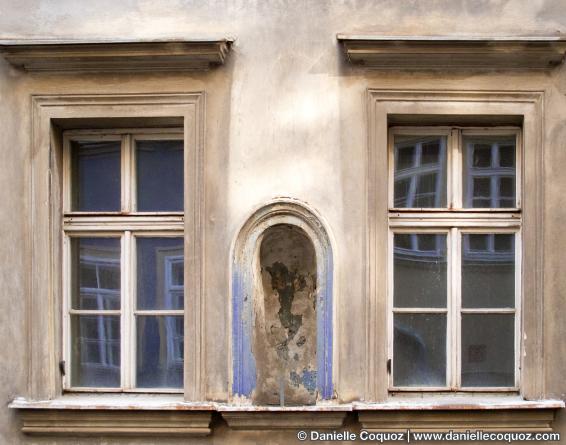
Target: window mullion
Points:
(390, 321)
(126, 318)
(67, 341)
(455, 169)
(455, 302)
(126, 185)
(518, 306)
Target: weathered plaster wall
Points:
(284, 94)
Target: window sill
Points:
(169, 415)
(443, 413)
(115, 415)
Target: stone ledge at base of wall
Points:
(166, 418)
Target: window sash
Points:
(454, 166)
(453, 309)
(126, 225)
(128, 138)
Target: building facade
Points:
(234, 221)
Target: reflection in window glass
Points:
(95, 273)
(419, 274)
(160, 265)
(95, 176)
(95, 351)
(160, 352)
(488, 357)
(159, 175)
(419, 352)
(420, 171)
(488, 270)
(489, 171)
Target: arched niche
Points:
(282, 279)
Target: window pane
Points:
(489, 171)
(95, 273)
(419, 275)
(420, 171)
(160, 352)
(426, 191)
(160, 261)
(488, 357)
(488, 270)
(402, 191)
(95, 176)
(159, 176)
(419, 351)
(95, 351)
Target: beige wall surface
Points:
(285, 116)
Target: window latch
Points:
(62, 367)
(388, 366)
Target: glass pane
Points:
(160, 352)
(488, 357)
(420, 171)
(488, 270)
(95, 176)
(489, 171)
(160, 264)
(419, 350)
(95, 273)
(159, 176)
(419, 270)
(95, 351)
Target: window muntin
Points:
(453, 271)
(114, 340)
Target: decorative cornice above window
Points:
(451, 53)
(115, 56)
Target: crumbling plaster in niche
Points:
(284, 340)
(288, 301)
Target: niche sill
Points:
(250, 417)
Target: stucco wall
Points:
(285, 116)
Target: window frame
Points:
(388, 107)
(50, 115)
(119, 226)
(464, 220)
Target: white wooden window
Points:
(123, 260)
(454, 259)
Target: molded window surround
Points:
(386, 108)
(50, 114)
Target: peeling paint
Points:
(282, 280)
(285, 333)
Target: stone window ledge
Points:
(115, 415)
(445, 413)
(169, 415)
